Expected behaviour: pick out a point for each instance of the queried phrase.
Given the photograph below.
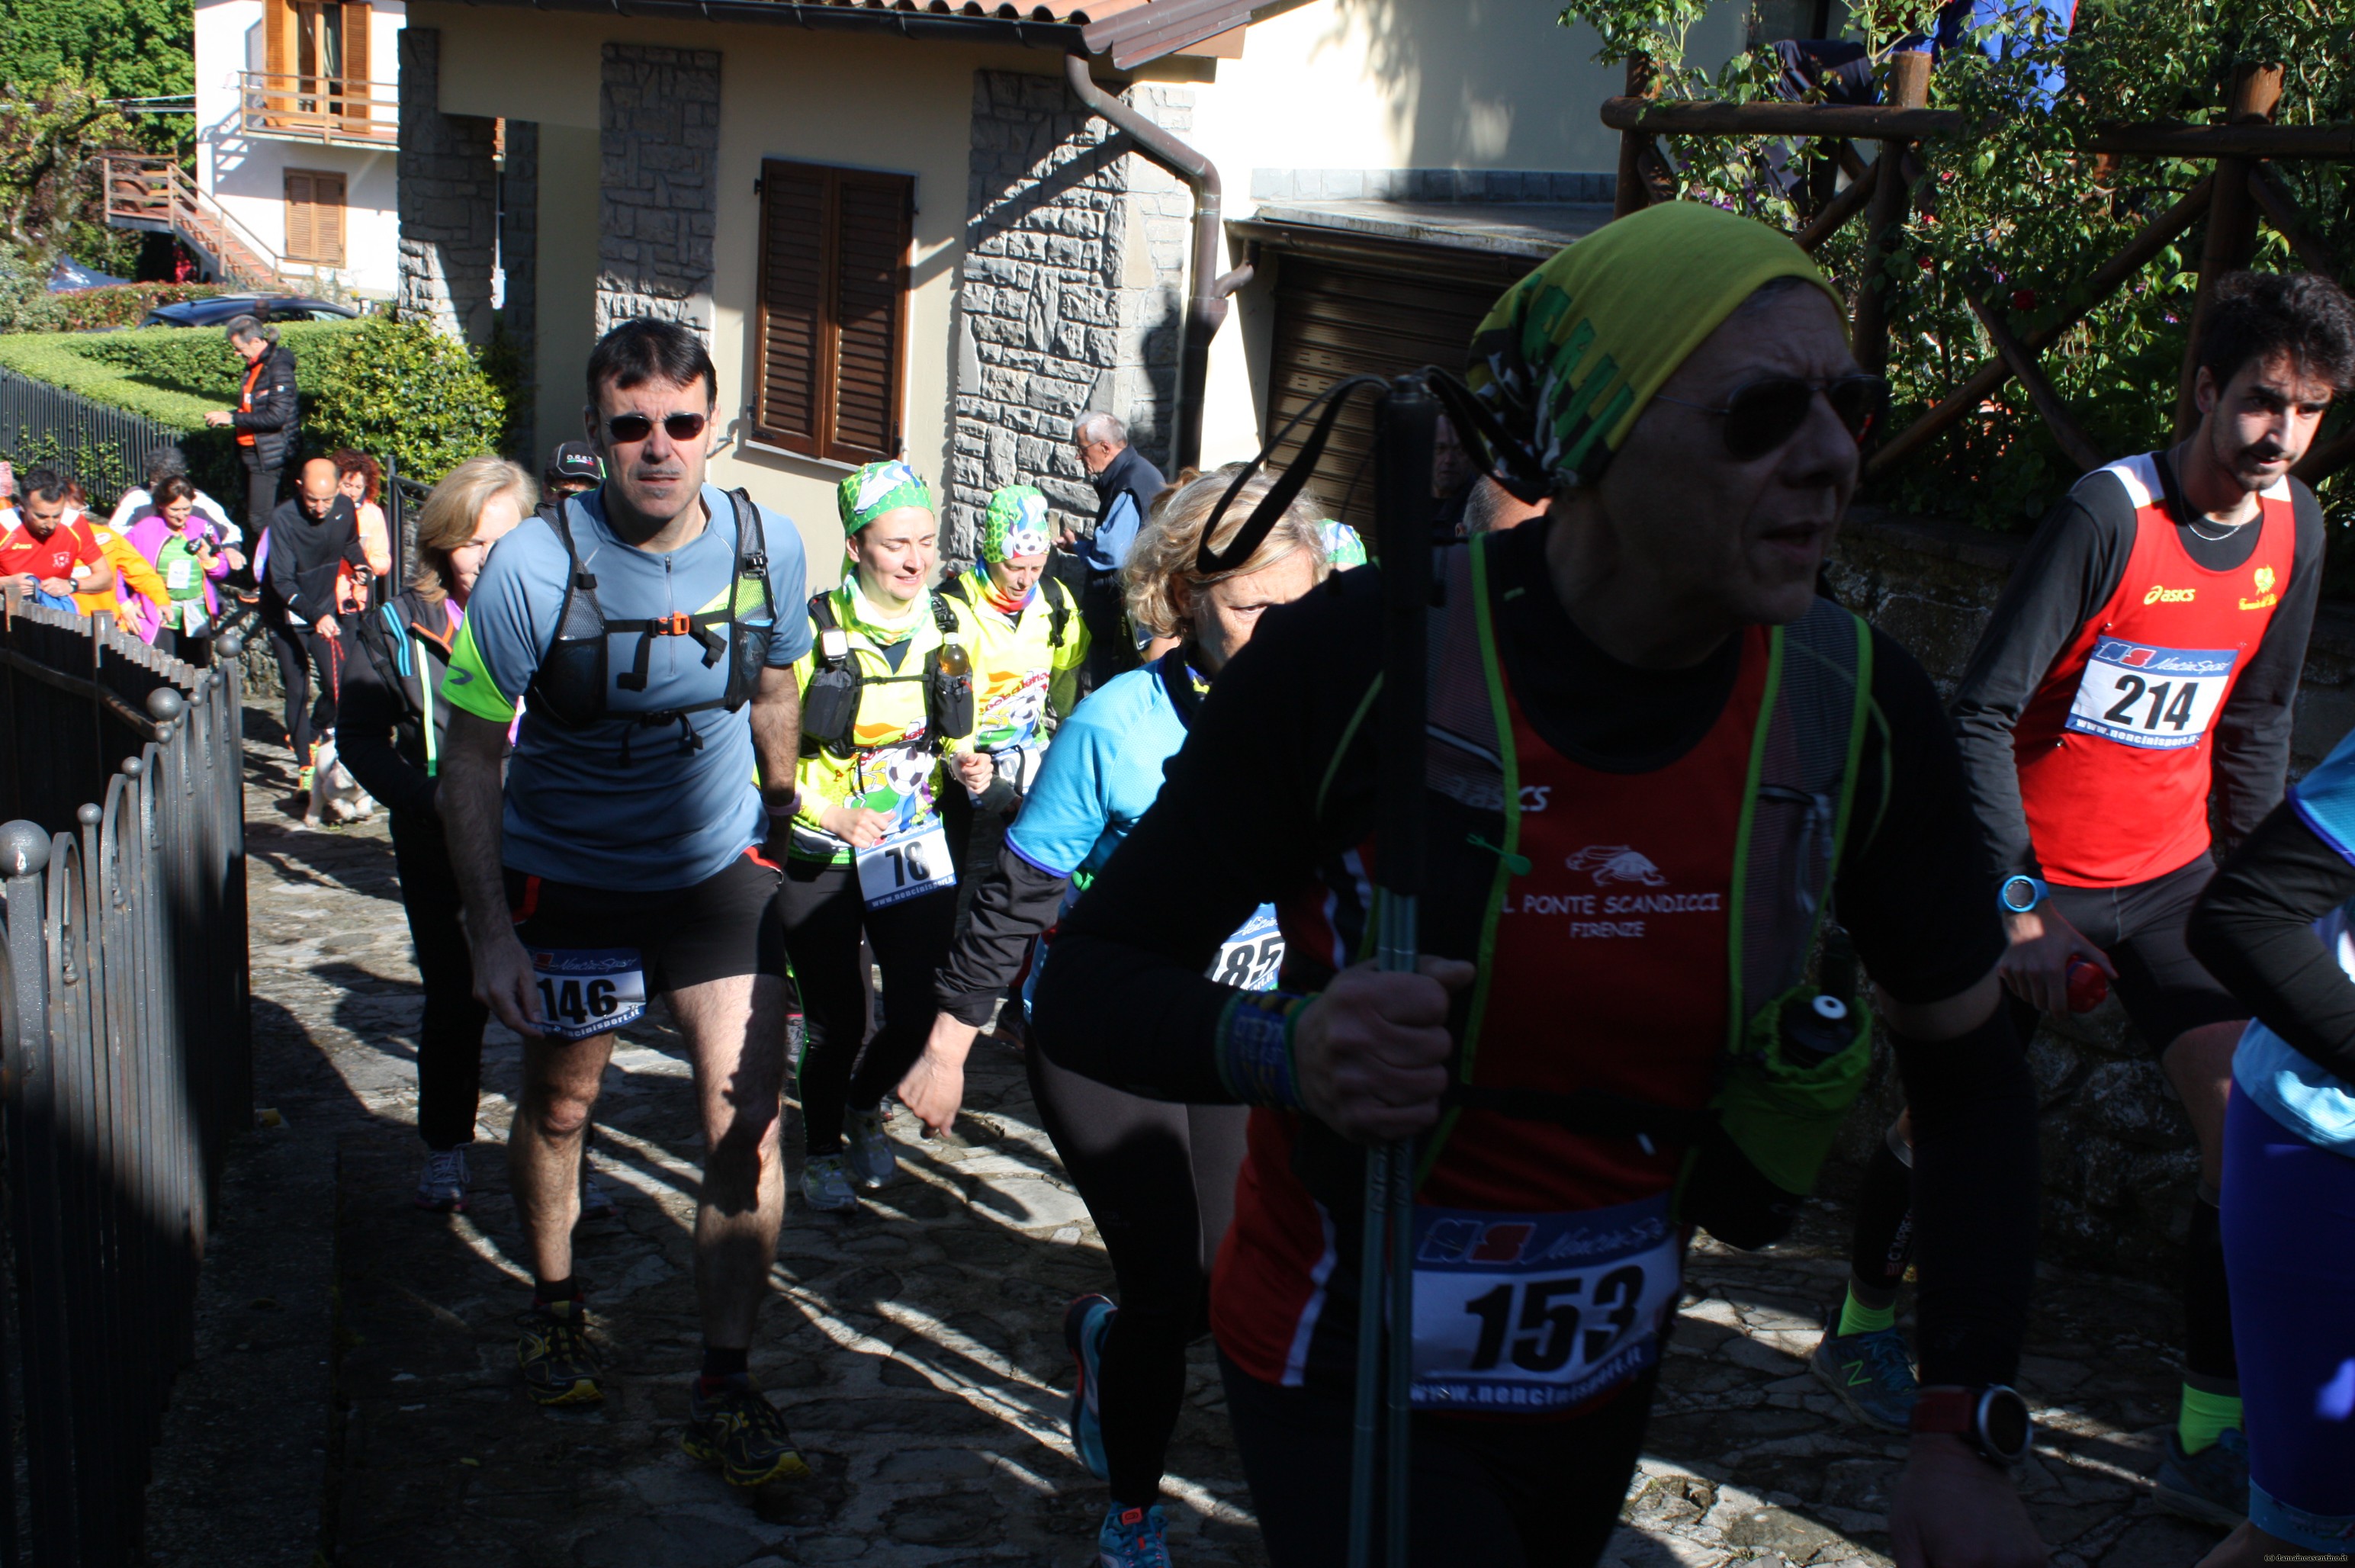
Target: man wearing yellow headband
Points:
(1657, 761)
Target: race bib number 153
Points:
(2158, 699)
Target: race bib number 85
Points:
(1539, 1312)
(2158, 699)
(586, 991)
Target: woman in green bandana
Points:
(879, 825)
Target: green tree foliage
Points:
(126, 49)
(2018, 215)
(404, 391)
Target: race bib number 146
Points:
(2158, 699)
(586, 991)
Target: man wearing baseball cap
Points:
(1654, 759)
(572, 468)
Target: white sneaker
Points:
(826, 1185)
(872, 1162)
(441, 1187)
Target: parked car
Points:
(222, 309)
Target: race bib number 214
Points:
(2156, 698)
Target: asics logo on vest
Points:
(2169, 595)
(1617, 863)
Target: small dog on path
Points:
(336, 796)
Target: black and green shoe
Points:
(560, 1365)
(738, 1428)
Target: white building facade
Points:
(297, 136)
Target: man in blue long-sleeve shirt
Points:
(1126, 484)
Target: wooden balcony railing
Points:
(318, 108)
(156, 195)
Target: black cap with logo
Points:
(575, 461)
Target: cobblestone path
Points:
(916, 1347)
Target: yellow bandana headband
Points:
(1572, 353)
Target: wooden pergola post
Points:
(2232, 226)
(1632, 195)
(1909, 88)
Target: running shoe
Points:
(1134, 1538)
(2211, 1486)
(872, 1163)
(560, 1365)
(738, 1428)
(826, 1185)
(1871, 1373)
(1085, 1322)
(442, 1188)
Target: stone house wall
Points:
(1071, 292)
(659, 113)
(2120, 1161)
(448, 199)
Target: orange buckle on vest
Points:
(672, 625)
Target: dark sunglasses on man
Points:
(624, 430)
(1763, 414)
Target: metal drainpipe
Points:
(1206, 304)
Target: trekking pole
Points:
(1405, 424)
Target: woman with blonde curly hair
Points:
(1158, 1178)
(389, 733)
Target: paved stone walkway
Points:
(916, 1347)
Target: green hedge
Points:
(115, 305)
(174, 375)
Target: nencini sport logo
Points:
(2165, 661)
(2159, 595)
(1617, 863)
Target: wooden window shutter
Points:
(302, 206)
(328, 219)
(789, 409)
(872, 232)
(357, 65)
(277, 37)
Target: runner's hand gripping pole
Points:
(1405, 424)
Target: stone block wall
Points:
(2120, 1162)
(448, 199)
(658, 112)
(519, 237)
(1071, 296)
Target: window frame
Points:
(343, 221)
(824, 441)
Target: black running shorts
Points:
(600, 956)
(2165, 989)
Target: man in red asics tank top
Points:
(1684, 375)
(2144, 657)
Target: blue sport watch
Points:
(2020, 893)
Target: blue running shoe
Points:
(1135, 1537)
(1084, 1323)
(1871, 1374)
(2211, 1486)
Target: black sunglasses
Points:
(627, 428)
(1763, 414)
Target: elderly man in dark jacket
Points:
(312, 538)
(1125, 485)
(267, 414)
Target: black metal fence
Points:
(125, 1058)
(43, 426)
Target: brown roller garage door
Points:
(1333, 320)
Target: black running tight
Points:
(1159, 1180)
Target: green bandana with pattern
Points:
(877, 489)
(1014, 525)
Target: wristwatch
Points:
(2020, 893)
(1994, 1419)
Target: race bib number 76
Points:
(2157, 699)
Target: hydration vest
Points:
(837, 687)
(1784, 1080)
(568, 690)
(1059, 602)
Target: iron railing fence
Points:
(125, 1058)
(42, 426)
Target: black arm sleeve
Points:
(1013, 902)
(2255, 931)
(2252, 749)
(1976, 1197)
(1913, 887)
(2069, 571)
(365, 720)
(1211, 850)
(283, 581)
